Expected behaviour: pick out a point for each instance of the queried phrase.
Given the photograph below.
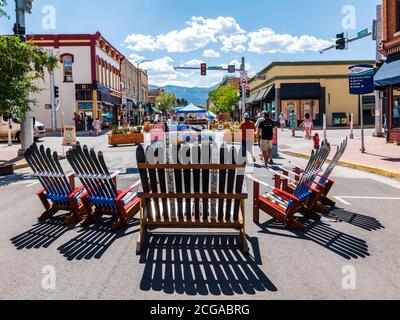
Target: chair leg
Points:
(141, 241)
(48, 214)
(243, 242)
(295, 225)
(311, 214)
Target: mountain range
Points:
(197, 96)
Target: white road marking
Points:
(342, 199)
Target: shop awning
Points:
(266, 94)
(253, 97)
(301, 91)
(389, 73)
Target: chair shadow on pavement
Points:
(43, 234)
(340, 243)
(202, 265)
(357, 220)
(92, 242)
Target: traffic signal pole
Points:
(53, 100)
(244, 86)
(21, 6)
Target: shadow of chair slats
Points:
(42, 235)
(92, 242)
(201, 265)
(358, 220)
(342, 244)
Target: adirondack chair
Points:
(290, 184)
(102, 196)
(59, 192)
(283, 205)
(192, 194)
(323, 183)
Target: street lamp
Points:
(138, 82)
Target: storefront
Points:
(313, 87)
(387, 79)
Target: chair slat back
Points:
(194, 173)
(335, 160)
(46, 166)
(94, 175)
(314, 166)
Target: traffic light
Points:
(203, 68)
(248, 92)
(241, 92)
(341, 41)
(56, 92)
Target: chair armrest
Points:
(282, 176)
(123, 194)
(116, 174)
(80, 193)
(286, 194)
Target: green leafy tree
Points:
(165, 101)
(21, 64)
(223, 98)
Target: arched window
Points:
(67, 61)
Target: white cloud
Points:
(233, 43)
(193, 62)
(198, 34)
(140, 42)
(135, 57)
(161, 65)
(267, 41)
(211, 54)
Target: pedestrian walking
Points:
(282, 121)
(248, 129)
(293, 123)
(266, 127)
(97, 126)
(90, 125)
(258, 132)
(76, 120)
(308, 126)
(316, 141)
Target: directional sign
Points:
(231, 69)
(243, 82)
(361, 79)
(363, 33)
(215, 68)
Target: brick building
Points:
(388, 76)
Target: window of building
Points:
(67, 67)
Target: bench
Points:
(207, 190)
(102, 196)
(59, 192)
(283, 205)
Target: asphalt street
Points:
(95, 263)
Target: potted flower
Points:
(125, 136)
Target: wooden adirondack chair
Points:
(102, 196)
(283, 205)
(290, 185)
(59, 192)
(323, 182)
(191, 194)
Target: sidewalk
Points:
(380, 158)
(9, 156)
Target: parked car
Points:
(39, 130)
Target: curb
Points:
(379, 171)
(24, 165)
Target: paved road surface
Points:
(95, 263)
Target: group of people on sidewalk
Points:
(94, 126)
(264, 130)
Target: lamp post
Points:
(139, 76)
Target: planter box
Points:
(117, 139)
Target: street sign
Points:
(215, 68)
(231, 69)
(69, 136)
(260, 77)
(243, 82)
(361, 79)
(363, 33)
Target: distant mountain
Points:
(197, 96)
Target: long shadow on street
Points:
(340, 243)
(202, 265)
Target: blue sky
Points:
(180, 32)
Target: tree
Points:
(182, 102)
(21, 64)
(223, 98)
(165, 101)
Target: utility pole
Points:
(243, 78)
(21, 7)
(139, 84)
(378, 35)
(53, 99)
